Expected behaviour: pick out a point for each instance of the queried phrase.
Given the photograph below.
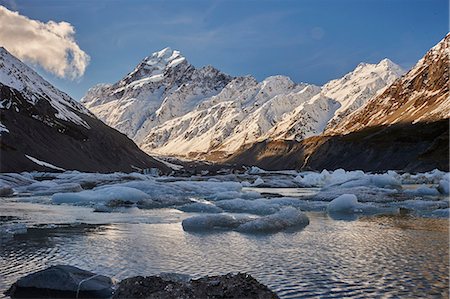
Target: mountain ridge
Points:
(227, 113)
(42, 128)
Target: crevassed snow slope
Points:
(338, 98)
(241, 113)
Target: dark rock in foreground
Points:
(62, 282)
(71, 282)
(242, 286)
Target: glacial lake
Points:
(370, 257)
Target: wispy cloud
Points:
(51, 45)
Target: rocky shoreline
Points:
(64, 281)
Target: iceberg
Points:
(286, 218)
(103, 195)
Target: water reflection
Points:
(371, 257)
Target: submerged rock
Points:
(242, 286)
(62, 282)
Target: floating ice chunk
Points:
(431, 177)
(348, 179)
(421, 205)
(304, 205)
(246, 184)
(15, 179)
(224, 195)
(288, 217)
(346, 203)
(441, 213)
(102, 195)
(385, 180)
(312, 179)
(255, 170)
(444, 185)
(423, 191)
(212, 222)
(49, 188)
(259, 181)
(364, 194)
(258, 206)
(200, 207)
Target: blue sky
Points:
(310, 41)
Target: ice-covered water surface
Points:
(304, 234)
(374, 256)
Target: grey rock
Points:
(62, 281)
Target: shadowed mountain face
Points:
(41, 122)
(408, 147)
(403, 128)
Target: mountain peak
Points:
(165, 58)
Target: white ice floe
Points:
(346, 203)
(213, 222)
(260, 206)
(423, 191)
(102, 195)
(286, 218)
(346, 179)
(431, 177)
(200, 207)
(258, 182)
(255, 170)
(441, 213)
(444, 185)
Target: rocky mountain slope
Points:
(405, 127)
(42, 128)
(422, 95)
(170, 108)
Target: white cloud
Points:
(51, 45)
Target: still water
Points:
(382, 256)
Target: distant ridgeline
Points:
(374, 118)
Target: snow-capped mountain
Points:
(246, 111)
(356, 88)
(43, 128)
(422, 95)
(337, 98)
(170, 108)
(404, 126)
(163, 86)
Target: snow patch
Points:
(45, 164)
